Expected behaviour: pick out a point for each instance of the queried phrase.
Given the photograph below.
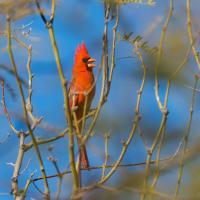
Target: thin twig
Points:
(150, 192)
(17, 165)
(126, 144)
(26, 167)
(186, 137)
(10, 71)
(190, 34)
(4, 139)
(144, 141)
(60, 176)
(185, 60)
(100, 167)
(6, 111)
(107, 137)
(29, 106)
(49, 25)
(159, 135)
(160, 51)
(59, 136)
(112, 65)
(27, 186)
(104, 62)
(11, 56)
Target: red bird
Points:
(82, 83)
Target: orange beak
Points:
(91, 63)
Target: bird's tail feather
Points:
(83, 155)
(84, 158)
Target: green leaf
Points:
(127, 36)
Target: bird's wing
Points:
(73, 95)
(76, 96)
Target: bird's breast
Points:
(85, 82)
(83, 85)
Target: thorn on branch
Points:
(52, 159)
(123, 141)
(10, 164)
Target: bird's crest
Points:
(81, 52)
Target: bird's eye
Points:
(85, 60)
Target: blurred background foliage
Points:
(78, 21)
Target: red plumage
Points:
(82, 83)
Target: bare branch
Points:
(6, 111)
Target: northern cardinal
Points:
(82, 83)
